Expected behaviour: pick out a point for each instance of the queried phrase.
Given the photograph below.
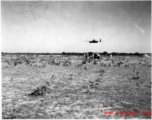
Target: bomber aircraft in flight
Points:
(94, 41)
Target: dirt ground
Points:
(84, 91)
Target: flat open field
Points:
(54, 87)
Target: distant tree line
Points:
(72, 53)
(107, 54)
(80, 54)
(31, 53)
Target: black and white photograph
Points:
(76, 59)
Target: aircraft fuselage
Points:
(93, 41)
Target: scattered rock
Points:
(40, 91)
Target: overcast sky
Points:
(54, 26)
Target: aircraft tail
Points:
(100, 40)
